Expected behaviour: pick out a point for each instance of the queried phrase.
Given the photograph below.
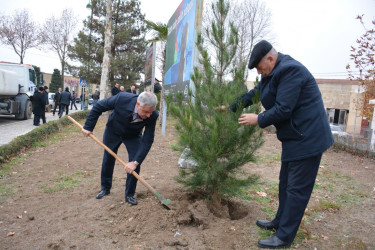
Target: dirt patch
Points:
(52, 203)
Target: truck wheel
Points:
(28, 110)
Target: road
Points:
(11, 128)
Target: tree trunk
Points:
(107, 52)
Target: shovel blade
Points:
(164, 201)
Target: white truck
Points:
(17, 86)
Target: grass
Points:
(333, 192)
(56, 137)
(264, 159)
(6, 190)
(6, 168)
(62, 182)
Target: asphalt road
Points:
(11, 128)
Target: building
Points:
(71, 82)
(340, 98)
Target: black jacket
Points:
(115, 91)
(65, 98)
(39, 103)
(56, 98)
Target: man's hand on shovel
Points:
(130, 167)
(86, 132)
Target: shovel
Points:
(164, 201)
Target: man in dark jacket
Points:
(73, 102)
(130, 115)
(65, 99)
(56, 99)
(39, 104)
(294, 105)
(46, 100)
(131, 90)
(115, 90)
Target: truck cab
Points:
(17, 86)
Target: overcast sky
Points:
(318, 33)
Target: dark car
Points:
(78, 99)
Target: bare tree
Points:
(20, 32)
(58, 33)
(252, 20)
(107, 51)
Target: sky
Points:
(317, 33)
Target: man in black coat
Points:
(293, 104)
(56, 99)
(131, 122)
(65, 99)
(131, 90)
(39, 104)
(45, 94)
(115, 90)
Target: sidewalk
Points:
(20, 127)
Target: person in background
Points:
(73, 102)
(131, 90)
(56, 99)
(122, 88)
(95, 97)
(132, 123)
(115, 90)
(65, 99)
(45, 94)
(294, 105)
(39, 105)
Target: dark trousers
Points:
(62, 108)
(297, 180)
(43, 116)
(113, 142)
(36, 120)
(73, 103)
(54, 108)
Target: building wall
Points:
(71, 82)
(342, 94)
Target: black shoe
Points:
(131, 200)
(102, 193)
(37, 125)
(273, 242)
(265, 224)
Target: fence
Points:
(360, 143)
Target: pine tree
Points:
(56, 82)
(128, 45)
(216, 141)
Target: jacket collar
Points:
(279, 58)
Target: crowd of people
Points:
(63, 99)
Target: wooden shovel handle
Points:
(114, 155)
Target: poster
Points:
(181, 53)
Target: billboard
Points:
(150, 64)
(181, 52)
